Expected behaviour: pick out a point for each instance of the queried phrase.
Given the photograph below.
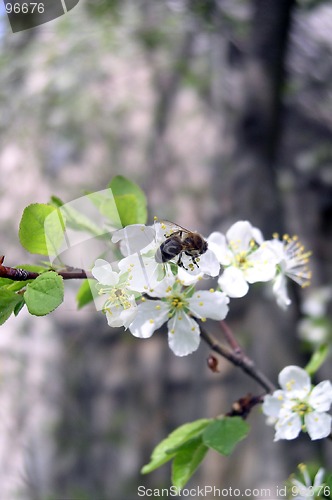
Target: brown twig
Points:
(231, 338)
(18, 274)
(243, 362)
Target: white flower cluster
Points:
(144, 291)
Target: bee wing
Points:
(170, 228)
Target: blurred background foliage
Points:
(220, 110)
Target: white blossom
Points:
(178, 307)
(292, 263)
(298, 406)
(120, 305)
(244, 257)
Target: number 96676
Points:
(25, 8)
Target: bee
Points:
(178, 242)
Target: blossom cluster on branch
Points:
(143, 293)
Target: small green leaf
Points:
(8, 302)
(167, 448)
(41, 229)
(56, 201)
(186, 461)
(44, 294)
(317, 359)
(19, 306)
(223, 434)
(84, 294)
(130, 201)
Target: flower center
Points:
(177, 302)
(301, 408)
(240, 257)
(117, 297)
(241, 260)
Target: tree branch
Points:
(18, 274)
(238, 359)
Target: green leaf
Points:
(127, 207)
(317, 359)
(75, 219)
(167, 448)
(105, 203)
(84, 294)
(223, 434)
(130, 201)
(41, 229)
(186, 461)
(44, 294)
(33, 268)
(8, 302)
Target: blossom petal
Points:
(164, 287)
(217, 243)
(273, 403)
(321, 396)
(150, 316)
(319, 477)
(277, 248)
(240, 235)
(209, 264)
(183, 334)
(295, 381)
(288, 427)
(118, 316)
(188, 278)
(261, 266)
(233, 283)
(318, 424)
(134, 238)
(104, 273)
(206, 304)
(280, 291)
(143, 271)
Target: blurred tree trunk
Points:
(255, 123)
(248, 189)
